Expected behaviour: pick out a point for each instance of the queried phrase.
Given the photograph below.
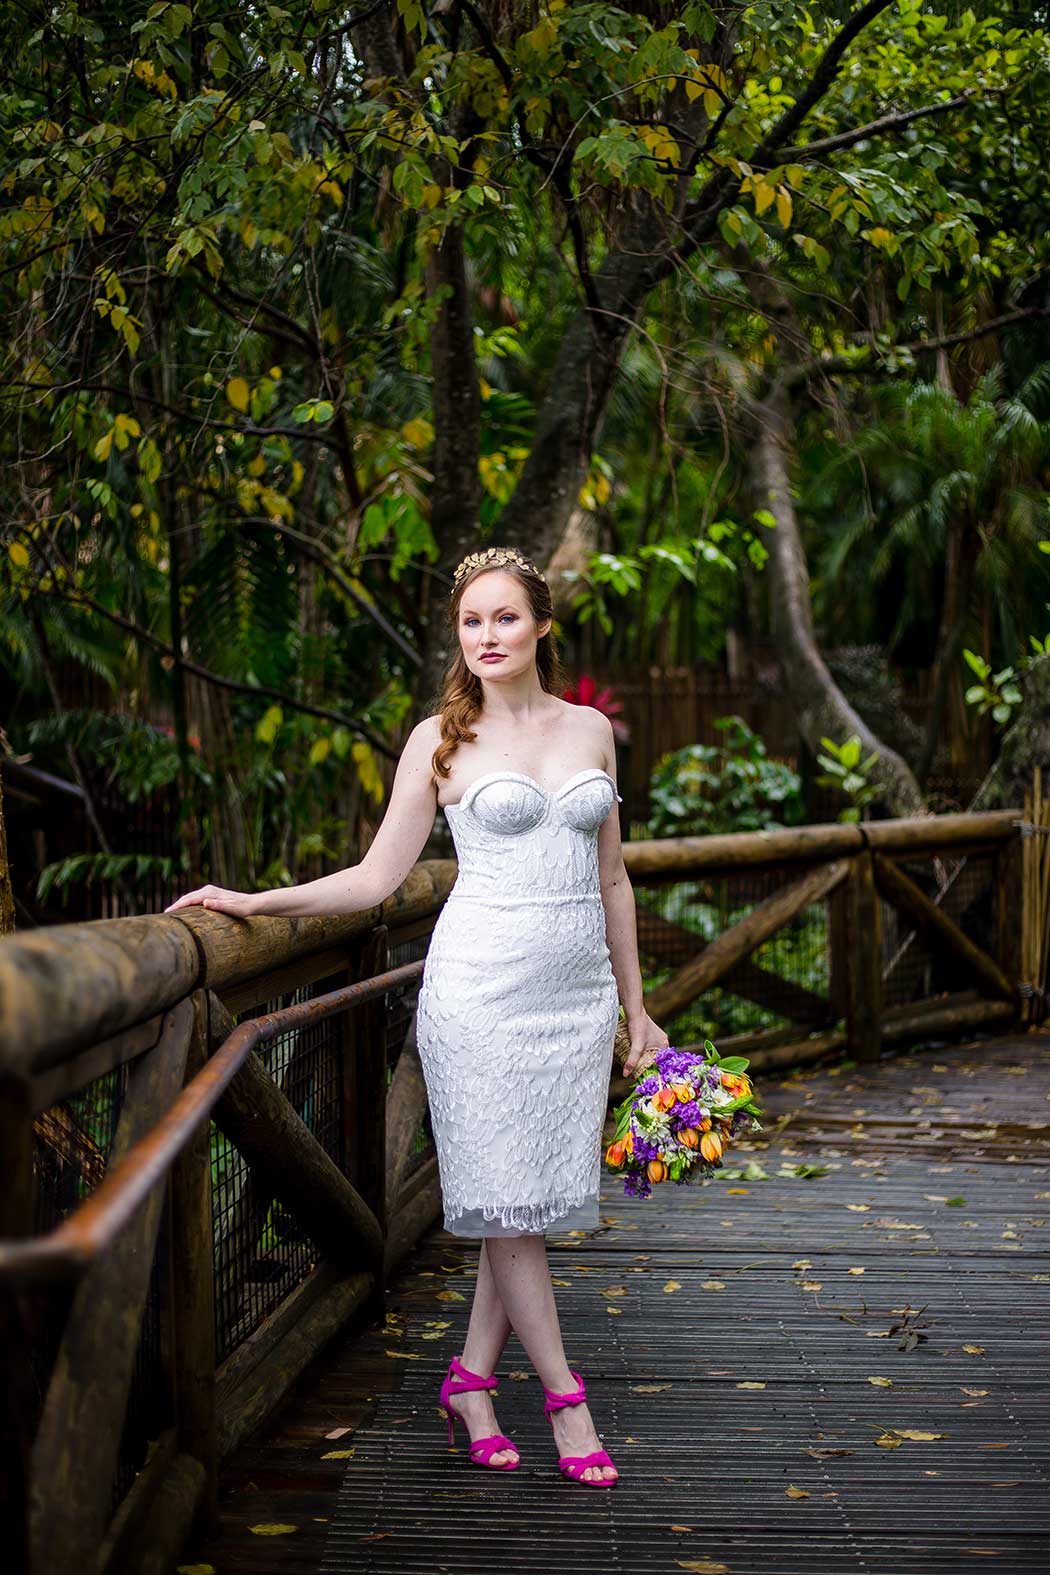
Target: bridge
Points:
(226, 1305)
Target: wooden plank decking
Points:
(764, 1356)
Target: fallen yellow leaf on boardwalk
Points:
(340, 1454)
(277, 1529)
(795, 1492)
(883, 1383)
(673, 1285)
(888, 1441)
(407, 1356)
(713, 1285)
(751, 1385)
(704, 1567)
(915, 1435)
(856, 1271)
(974, 1350)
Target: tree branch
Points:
(874, 128)
(820, 81)
(836, 365)
(79, 598)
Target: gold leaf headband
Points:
(492, 557)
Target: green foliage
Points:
(994, 692)
(218, 380)
(706, 789)
(845, 770)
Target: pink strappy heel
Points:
(573, 1466)
(462, 1384)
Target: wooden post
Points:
(364, 1100)
(838, 951)
(863, 961)
(193, 1284)
(1008, 905)
(77, 1444)
(18, 1408)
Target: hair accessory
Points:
(491, 558)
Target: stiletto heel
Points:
(460, 1380)
(573, 1466)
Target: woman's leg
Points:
(521, 1277)
(487, 1335)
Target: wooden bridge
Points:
(217, 1160)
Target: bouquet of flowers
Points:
(680, 1117)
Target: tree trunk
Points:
(820, 706)
(959, 570)
(7, 899)
(455, 496)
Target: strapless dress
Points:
(517, 1008)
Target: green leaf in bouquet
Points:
(623, 1119)
(734, 1063)
(712, 1053)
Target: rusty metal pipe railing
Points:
(65, 1252)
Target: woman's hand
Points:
(242, 904)
(646, 1037)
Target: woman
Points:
(530, 956)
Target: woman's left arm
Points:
(621, 936)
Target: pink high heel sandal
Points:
(573, 1466)
(495, 1441)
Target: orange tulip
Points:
(628, 1142)
(683, 1091)
(736, 1082)
(705, 1123)
(656, 1170)
(664, 1098)
(711, 1145)
(614, 1154)
(689, 1137)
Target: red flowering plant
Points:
(586, 692)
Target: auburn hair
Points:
(461, 695)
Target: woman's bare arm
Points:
(621, 929)
(401, 837)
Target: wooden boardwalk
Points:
(729, 1336)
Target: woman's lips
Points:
(492, 656)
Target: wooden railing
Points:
(192, 1205)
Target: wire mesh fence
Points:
(790, 980)
(72, 1145)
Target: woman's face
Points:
(497, 631)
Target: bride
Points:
(530, 958)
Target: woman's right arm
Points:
(401, 837)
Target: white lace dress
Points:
(518, 1007)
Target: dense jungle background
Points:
(735, 318)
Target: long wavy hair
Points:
(461, 696)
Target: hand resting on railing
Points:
(401, 837)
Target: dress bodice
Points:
(514, 838)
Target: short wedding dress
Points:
(518, 1006)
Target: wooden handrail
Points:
(65, 988)
(68, 986)
(97, 1222)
